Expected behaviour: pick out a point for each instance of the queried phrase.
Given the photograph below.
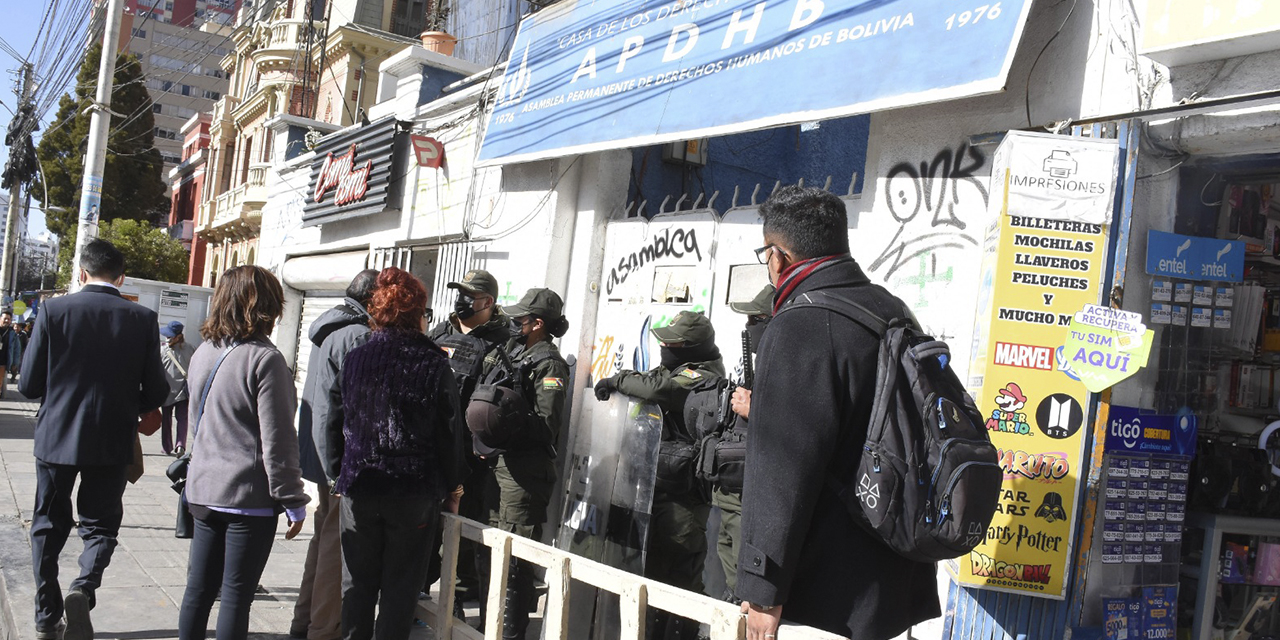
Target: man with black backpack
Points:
(678, 531)
(802, 550)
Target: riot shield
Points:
(609, 502)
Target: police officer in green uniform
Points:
(469, 335)
(759, 311)
(678, 529)
(524, 472)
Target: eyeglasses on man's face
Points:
(763, 253)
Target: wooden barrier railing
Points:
(635, 592)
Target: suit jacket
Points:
(810, 406)
(94, 358)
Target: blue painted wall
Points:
(836, 148)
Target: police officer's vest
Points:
(721, 434)
(466, 358)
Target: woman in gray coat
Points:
(244, 455)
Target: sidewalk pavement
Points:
(143, 587)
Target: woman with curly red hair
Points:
(402, 442)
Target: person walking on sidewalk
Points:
(318, 612)
(395, 452)
(175, 355)
(95, 361)
(10, 348)
(244, 463)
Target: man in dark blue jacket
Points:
(95, 360)
(318, 612)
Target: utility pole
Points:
(95, 159)
(12, 241)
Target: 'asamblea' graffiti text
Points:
(669, 243)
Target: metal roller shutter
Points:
(314, 304)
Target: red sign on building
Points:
(429, 151)
(338, 173)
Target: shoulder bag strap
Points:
(841, 305)
(174, 359)
(204, 395)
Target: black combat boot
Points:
(679, 628)
(519, 594)
(655, 626)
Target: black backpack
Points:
(928, 480)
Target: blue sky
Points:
(18, 28)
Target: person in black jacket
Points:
(318, 613)
(803, 557)
(95, 360)
(395, 454)
(470, 336)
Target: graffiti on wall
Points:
(608, 358)
(934, 202)
(673, 243)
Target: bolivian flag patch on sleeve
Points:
(691, 374)
(552, 383)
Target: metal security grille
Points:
(454, 260)
(313, 305)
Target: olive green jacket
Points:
(668, 389)
(546, 386)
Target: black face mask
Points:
(674, 357)
(463, 307)
(517, 332)
(670, 360)
(756, 333)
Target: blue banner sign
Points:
(1194, 258)
(1131, 431)
(586, 76)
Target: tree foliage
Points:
(132, 184)
(149, 253)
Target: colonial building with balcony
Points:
(186, 184)
(284, 65)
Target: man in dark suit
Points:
(95, 360)
(815, 381)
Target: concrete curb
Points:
(17, 586)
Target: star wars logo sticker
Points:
(1051, 509)
(1059, 416)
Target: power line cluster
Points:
(56, 54)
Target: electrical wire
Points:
(1205, 188)
(7, 48)
(1041, 54)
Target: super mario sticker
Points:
(1008, 416)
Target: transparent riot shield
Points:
(609, 502)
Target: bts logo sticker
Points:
(1059, 416)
